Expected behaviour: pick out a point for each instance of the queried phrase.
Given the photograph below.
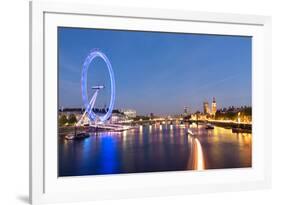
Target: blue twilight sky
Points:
(156, 72)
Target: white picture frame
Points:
(46, 187)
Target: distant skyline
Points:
(156, 72)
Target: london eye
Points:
(89, 102)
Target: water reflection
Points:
(196, 161)
(152, 148)
(140, 128)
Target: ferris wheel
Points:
(89, 104)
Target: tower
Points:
(206, 107)
(214, 106)
(186, 111)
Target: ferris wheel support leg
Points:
(93, 100)
(89, 107)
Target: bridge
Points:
(157, 121)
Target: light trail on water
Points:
(197, 161)
(200, 165)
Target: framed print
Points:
(129, 102)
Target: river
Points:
(155, 148)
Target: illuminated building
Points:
(130, 113)
(186, 111)
(214, 106)
(206, 107)
(117, 118)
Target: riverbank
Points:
(236, 127)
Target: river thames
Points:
(155, 148)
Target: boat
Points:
(81, 135)
(209, 126)
(69, 137)
(78, 136)
(241, 130)
(189, 132)
(182, 125)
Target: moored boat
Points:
(189, 132)
(241, 130)
(209, 126)
(69, 137)
(78, 136)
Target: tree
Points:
(62, 120)
(72, 119)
